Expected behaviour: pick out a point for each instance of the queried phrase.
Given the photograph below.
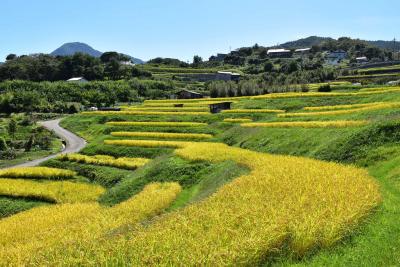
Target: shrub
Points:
(325, 88)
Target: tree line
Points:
(43, 67)
(64, 97)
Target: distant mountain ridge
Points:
(305, 42)
(317, 40)
(69, 49)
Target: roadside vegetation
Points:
(21, 139)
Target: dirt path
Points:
(73, 142)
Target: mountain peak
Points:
(68, 49)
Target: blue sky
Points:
(181, 29)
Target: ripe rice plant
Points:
(253, 111)
(249, 217)
(170, 109)
(58, 192)
(274, 205)
(239, 120)
(316, 94)
(29, 238)
(315, 86)
(156, 123)
(182, 113)
(344, 106)
(176, 101)
(306, 124)
(37, 173)
(344, 111)
(162, 135)
(386, 88)
(104, 160)
(203, 104)
(146, 143)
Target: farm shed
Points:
(218, 107)
(186, 94)
(78, 80)
(227, 76)
(109, 109)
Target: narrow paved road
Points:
(73, 142)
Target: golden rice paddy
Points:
(162, 135)
(104, 160)
(306, 124)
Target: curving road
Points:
(73, 142)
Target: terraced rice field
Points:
(162, 135)
(105, 160)
(225, 189)
(306, 124)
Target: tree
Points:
(107, 57)
(197, 60)
(213, 91)
(268, 66)
(12, 127)
(11, 57)
(112, 69)
(3, 144)
(290, 67)
(29, 143)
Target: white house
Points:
(362, 60)
(127, 63)
(335, 57)
(302, 51)
(280, 52)
(78, 80)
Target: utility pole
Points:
(394, 49)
